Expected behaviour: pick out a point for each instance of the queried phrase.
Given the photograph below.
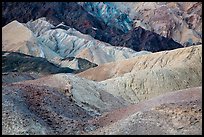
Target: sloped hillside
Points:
(10, 77)
(17, 37)
(18, 62)
(28, 109)
(88, 94)
(184, 57)
(56, 104)
(101, 68)
(57, 44)
(181, 21)
(74, 15)
(176, 113)
(147, 76)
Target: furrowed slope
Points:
(57, 44)
(184, 57)
(147, 76)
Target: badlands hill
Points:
(16, 37)
(39, 110)
(72, 43)
(41, 39)
(55, 104)
(74, 15)
(87, 94)
(29, 108)
(176, 113)
(146, 76)
(78, 68)
(181, 21)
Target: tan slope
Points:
(178, 58)
(147, 84)
(15, 31)
(17, 37)
(147, 76)
(179, 112)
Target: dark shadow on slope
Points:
(83, 64)
(18, 62)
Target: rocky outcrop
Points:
(79, 64)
